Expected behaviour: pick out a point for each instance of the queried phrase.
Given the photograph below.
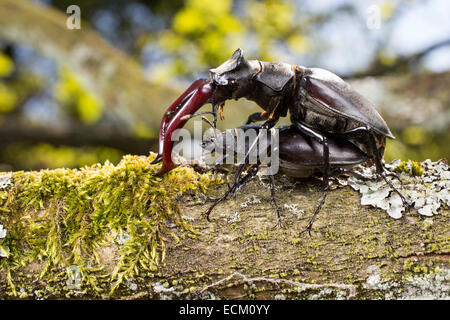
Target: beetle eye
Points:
(221, 80)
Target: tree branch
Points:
(401, 65)
(355, 251)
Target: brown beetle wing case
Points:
(339, 97)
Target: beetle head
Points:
(234, 74)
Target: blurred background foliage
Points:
(70, 98)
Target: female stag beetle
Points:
(300, 156)
(319, 103)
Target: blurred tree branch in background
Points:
(116, 78)
(401, 64)
(108, 84)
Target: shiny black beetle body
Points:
(299, 155)
(319, 103)
(302, 156)
(314, 97)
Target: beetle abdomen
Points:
(298, 149)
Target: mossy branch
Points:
(118, 231)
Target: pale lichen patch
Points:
(426, 287)
(4, 250)
(2, 232)
(433, 286)
(5, 181)
(165, 292)
(427, 192)
(294, 208)
(251, 201)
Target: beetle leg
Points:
(239, 183)
(206, 197)
(394, 175)
(214, 107)
(272, 195)
(251, 172)
(270, 123)
(257, 116)
(214, 112)
(157, 159)
(273, 119)
(219, 200)
(326, 167)
(405, 203)
(381, 171)
(309, 226)
(357, 175)
(379, 166)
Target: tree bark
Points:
(353, 252)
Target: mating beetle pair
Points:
(322, 107)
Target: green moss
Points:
(62, 218)
(413, 168)
(413, 266)
(416, 168)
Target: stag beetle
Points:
(300, 156)
(319, 103)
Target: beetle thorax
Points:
(263, 96)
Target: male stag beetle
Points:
(300, 156)
(319, 103)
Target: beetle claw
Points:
(158, 159)
(307, 229)
(394, 175)
(277, 224)
(206, 197)
(406, 205)
(206, 215)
